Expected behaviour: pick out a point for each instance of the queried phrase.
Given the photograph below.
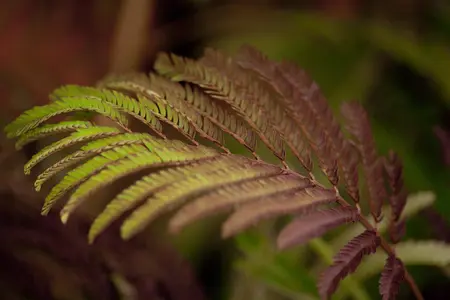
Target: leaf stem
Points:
(384, 244)
(386, 247)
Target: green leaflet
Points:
(164, 93)
(91, 149)
(236, 195)
(84, 171)
(141, 111)
(32, 118)
(50, 129)
(191, 186)
(125, 166)
(81, 135)
(146, 186)
(172, 117)
(133, 163)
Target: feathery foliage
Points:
(248, 97)
(347, 260)
(51, 129)
(393, 274)
(397, 197)
(359, 127)
(314, 225)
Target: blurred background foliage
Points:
(391, 55)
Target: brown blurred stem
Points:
(132, 35)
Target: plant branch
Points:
(386, 247)
(384, 244)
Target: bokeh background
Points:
(393, 56)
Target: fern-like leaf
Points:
(220, 114)
(310, 101)
(177, 193)
(308, 107)
(359, 126)
(50, 129)
(391, 278)
(320, 126)
(81, 135)
(291, 202)
(167, 93)
(397, 197)
(87, 151)
(265, 100)
(250, 98)
(166, 114)
(32, 118)
(221, 88)
(394, 169)
(315, 224)
(130, 164)
(346, 261)
(84, 171)
(149, 184)
(147, 112)
(225, 198)
(192, 101)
